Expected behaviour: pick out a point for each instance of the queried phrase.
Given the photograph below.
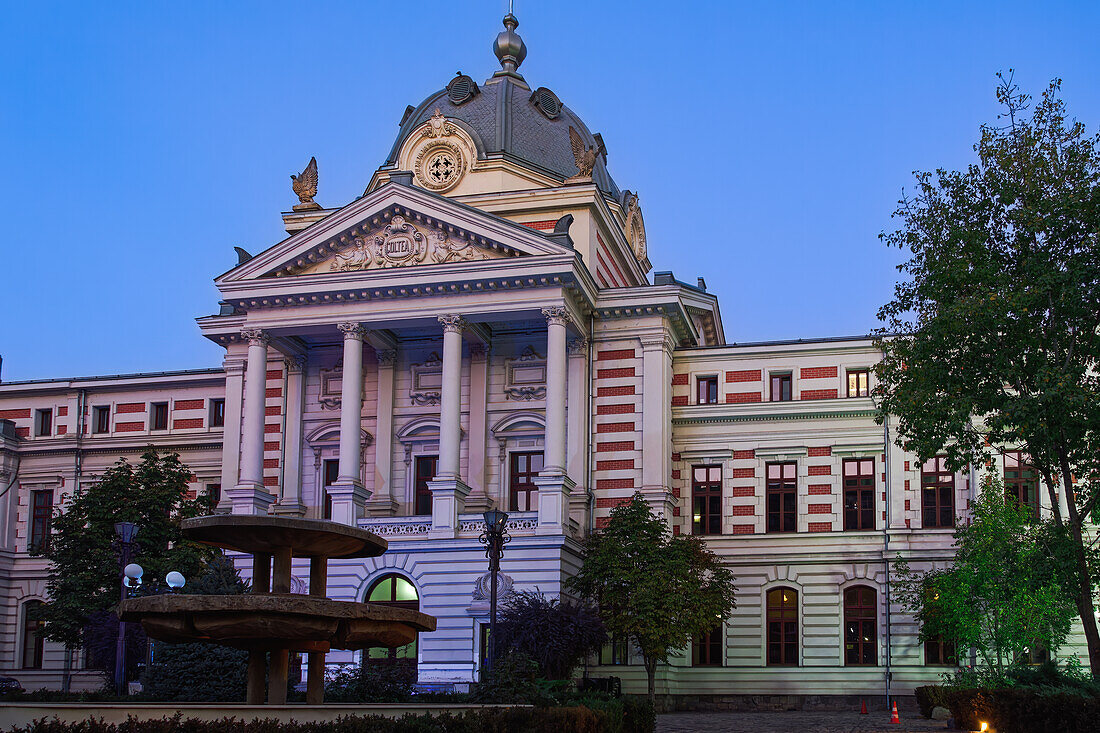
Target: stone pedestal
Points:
(448, 501)
(349, 500)
(554, 491)
(249, 500)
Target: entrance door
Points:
(425, 471)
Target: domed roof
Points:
(504, 117)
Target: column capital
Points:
(556, 315)
(479, 352)
(652, 342)
(233, 365)
(255, 336)
(385, 357)
(295, 363)
(452, 323)
(577, 347)
(352, 330)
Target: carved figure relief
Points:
(483, 586)
(635, 227)
(525, 376)
(427, 381)
(400, 243)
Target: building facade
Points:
(480, 328)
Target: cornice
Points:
(769, 412)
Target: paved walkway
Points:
(793, 722)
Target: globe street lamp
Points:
(125, 533)
(495, 537)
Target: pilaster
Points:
(383, 503)
(479, 499)
(290, 503)
(577, 427)
(657, 422)
(234, 367)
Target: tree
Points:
(84, 576)
(1000, 595)
(653, 588)
(200, 672)
(556, 634)
(993, 337)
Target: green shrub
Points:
(1023, 710)
(930, 696)
(514, 679)
(383, 682)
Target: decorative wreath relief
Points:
(439, 165)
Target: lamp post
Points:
(125, 533)
(495, 537)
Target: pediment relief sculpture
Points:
(525, 376)
(401, 243)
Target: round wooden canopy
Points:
(268, 535)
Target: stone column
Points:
(657, 422)
(290, 502)
(479, 499)
(348, 494)
(554, 485)
(249, 495)
(231, 431)
(383, 503)
(448, 490)
(576, 447)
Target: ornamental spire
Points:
(509, 47)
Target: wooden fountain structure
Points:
(271, 619)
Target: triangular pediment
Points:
(395, 226)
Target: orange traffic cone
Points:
(862, 707)
(894, 713)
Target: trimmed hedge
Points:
(578, 719)
(1023, 710)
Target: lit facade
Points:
(480, 329)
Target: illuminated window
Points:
(937, 488)
(859, 382)
(782, 621)
(780, 387)
(707, 391)
(397, 591)
(706, 500)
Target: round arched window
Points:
(394, 590)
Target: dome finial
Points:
(509, 47)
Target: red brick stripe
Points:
(744, 375)
(187, 423)
(615, 427)
(129, 427)
(739, 455)
(128, 407)
(615, 446)
(62, 411)
(819, 394)
(271, 463)
(820, 471)
(615, 373)
(618, 465)
(680, 401)
(274, 373)
(272, 428)
(619, 408)
(622, 391)
(679, 379)
(820, 489)
(271, 445)
(611, 502)
(744, 491)
(273, 392)
(821, 526)
(820, 509)
(272, 410)
(817, 372)
(742, 397)
(744, 473)
(609, 484)
(190, 404)
(22, 433)
(743, 529)
(612, 354)
(15, 414)
(545, 224)
(820, 451)
(271, 480)
(743, 511)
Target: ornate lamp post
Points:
(495, 537)
(125, 533)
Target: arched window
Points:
(32, 635)
(782, 626)
(394, 590)
(860, 626)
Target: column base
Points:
(289, 509)
(383, 506)
(479, 503)
(554, 493)
(660, 500)
(448, 501)
(249, 499)
(348, 502)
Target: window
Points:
(1035, 654)
(782, 623)
(33, 626)
(937, 488)
(706, 649)
(615, 651)
(782, 493)
(43, 422)
(41, 517)
(102, 420)
(859, 382)
(859, 493)
(938, 651)
(523, 492)
(425, 471)
(483, 635)
(706, 392)
(332, 473)
(217, 413)
(214, 491)
(860, 626)
(394, 590)
(781, 387)
(706, 500)
(159, 418)
(1021, 481)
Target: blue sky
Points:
(769, 141)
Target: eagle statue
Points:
(585, 157)
(305, 186)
